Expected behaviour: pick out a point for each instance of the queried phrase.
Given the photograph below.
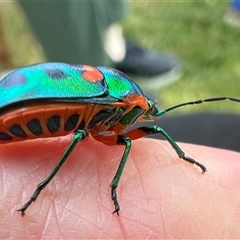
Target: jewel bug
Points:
(55, 99)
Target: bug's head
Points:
(152, 113)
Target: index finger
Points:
(160, 195)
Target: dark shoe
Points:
(151, 70)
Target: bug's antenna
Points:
(214, 99)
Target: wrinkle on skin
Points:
(171, 200)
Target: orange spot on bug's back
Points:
(91, 74)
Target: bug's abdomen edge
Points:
(41, 121)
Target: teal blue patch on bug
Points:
(49, 81)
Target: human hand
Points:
(160, 195)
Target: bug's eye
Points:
(152, 111)
(150, 104)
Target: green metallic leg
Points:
(145, 131)
(80, 135)
(122, 140)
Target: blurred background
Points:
(195, 31)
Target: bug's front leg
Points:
(145, 131)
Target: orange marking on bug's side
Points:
(91, 74)
(41, 112)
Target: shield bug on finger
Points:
(55, 99)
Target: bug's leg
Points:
(116, 140)
(145, 131)
(80, 135)
(122, 140)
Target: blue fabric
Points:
(236, 5)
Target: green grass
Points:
(195, 32)
(192, 30)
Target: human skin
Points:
(161, 196)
